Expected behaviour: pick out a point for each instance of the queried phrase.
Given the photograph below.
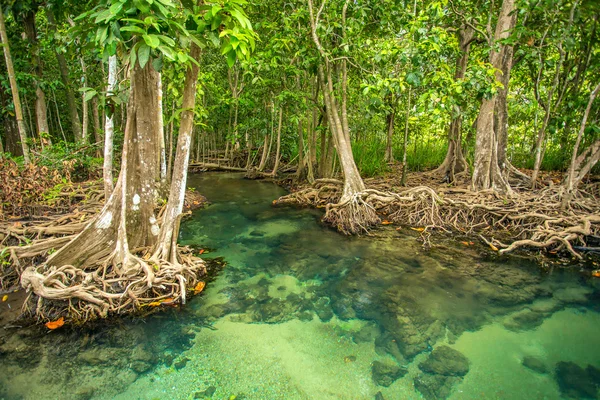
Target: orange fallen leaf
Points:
(154, 304)
(5, 297)
(418, 229)
(55, 324)
(493, 247)
(201, 251)
(596, 273)
(465, 243)
(199, 287)
(18, 225)
(386, 222)
(274, 202)
(471, 243)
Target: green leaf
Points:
(133, 28)
(151, 40)
(116, 8)
(231, 57)
(143, 55)
(90, 94)
(215, 9)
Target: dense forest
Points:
(475, 116)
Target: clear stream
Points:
(301, 312)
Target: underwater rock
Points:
(385, 373)
(305, 316)
(379, 396)
(535, 364)
(573, 295)
(576, 382)
(181, 363)
(367, 333)
(208, 392)
(444, 360)
(524, 320)
(342, 307)
(85, 392)
(322, 309)
(386, 344)
(434, 387)
(140, 366)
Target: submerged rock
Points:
(524, 320)
(446, 361)
(206, 393)
(575, 382)
(385, 373)
(434, 387)
(535, 364)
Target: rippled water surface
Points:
(301, 312)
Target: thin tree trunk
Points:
(64, 76)
(455, 161)
(577, 170)
(405, 144)
(265, 154)
(278, 148)
(14, 89)
(96, 122)
(41, 110)
(389, 152)
(84, 104)
(109, 128)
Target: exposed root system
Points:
(111, 283)
(527, 219)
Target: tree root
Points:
(101, 289)
(529, 219)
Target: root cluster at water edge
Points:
(527, 219)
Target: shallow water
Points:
(301, 312)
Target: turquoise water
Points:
(301, 312)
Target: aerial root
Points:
(101, 290)
(530, 220)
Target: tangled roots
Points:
(352, 216)
(92, 293)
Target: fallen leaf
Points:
(465, 243)
(596, 273)
(471, 243)
(418, 229)
(154, 304)
(493, 247)
(199, 287)
(55, 324)
(17, 224)
(201, 251)
(5, 297)
(274, 202)
(386, 222)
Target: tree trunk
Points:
(161, 129)
(278, 148)
(455, 162)
(109, 127)
(389, 150)
(85, 119)
(501, 110)
(300, 170)
(405, 143)
(486, 172)
(351, 214)
(41, 110)
(582, 164)
(96, 122)
(64, 76)
(265, 154)
(14, 90)
(167, 239)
